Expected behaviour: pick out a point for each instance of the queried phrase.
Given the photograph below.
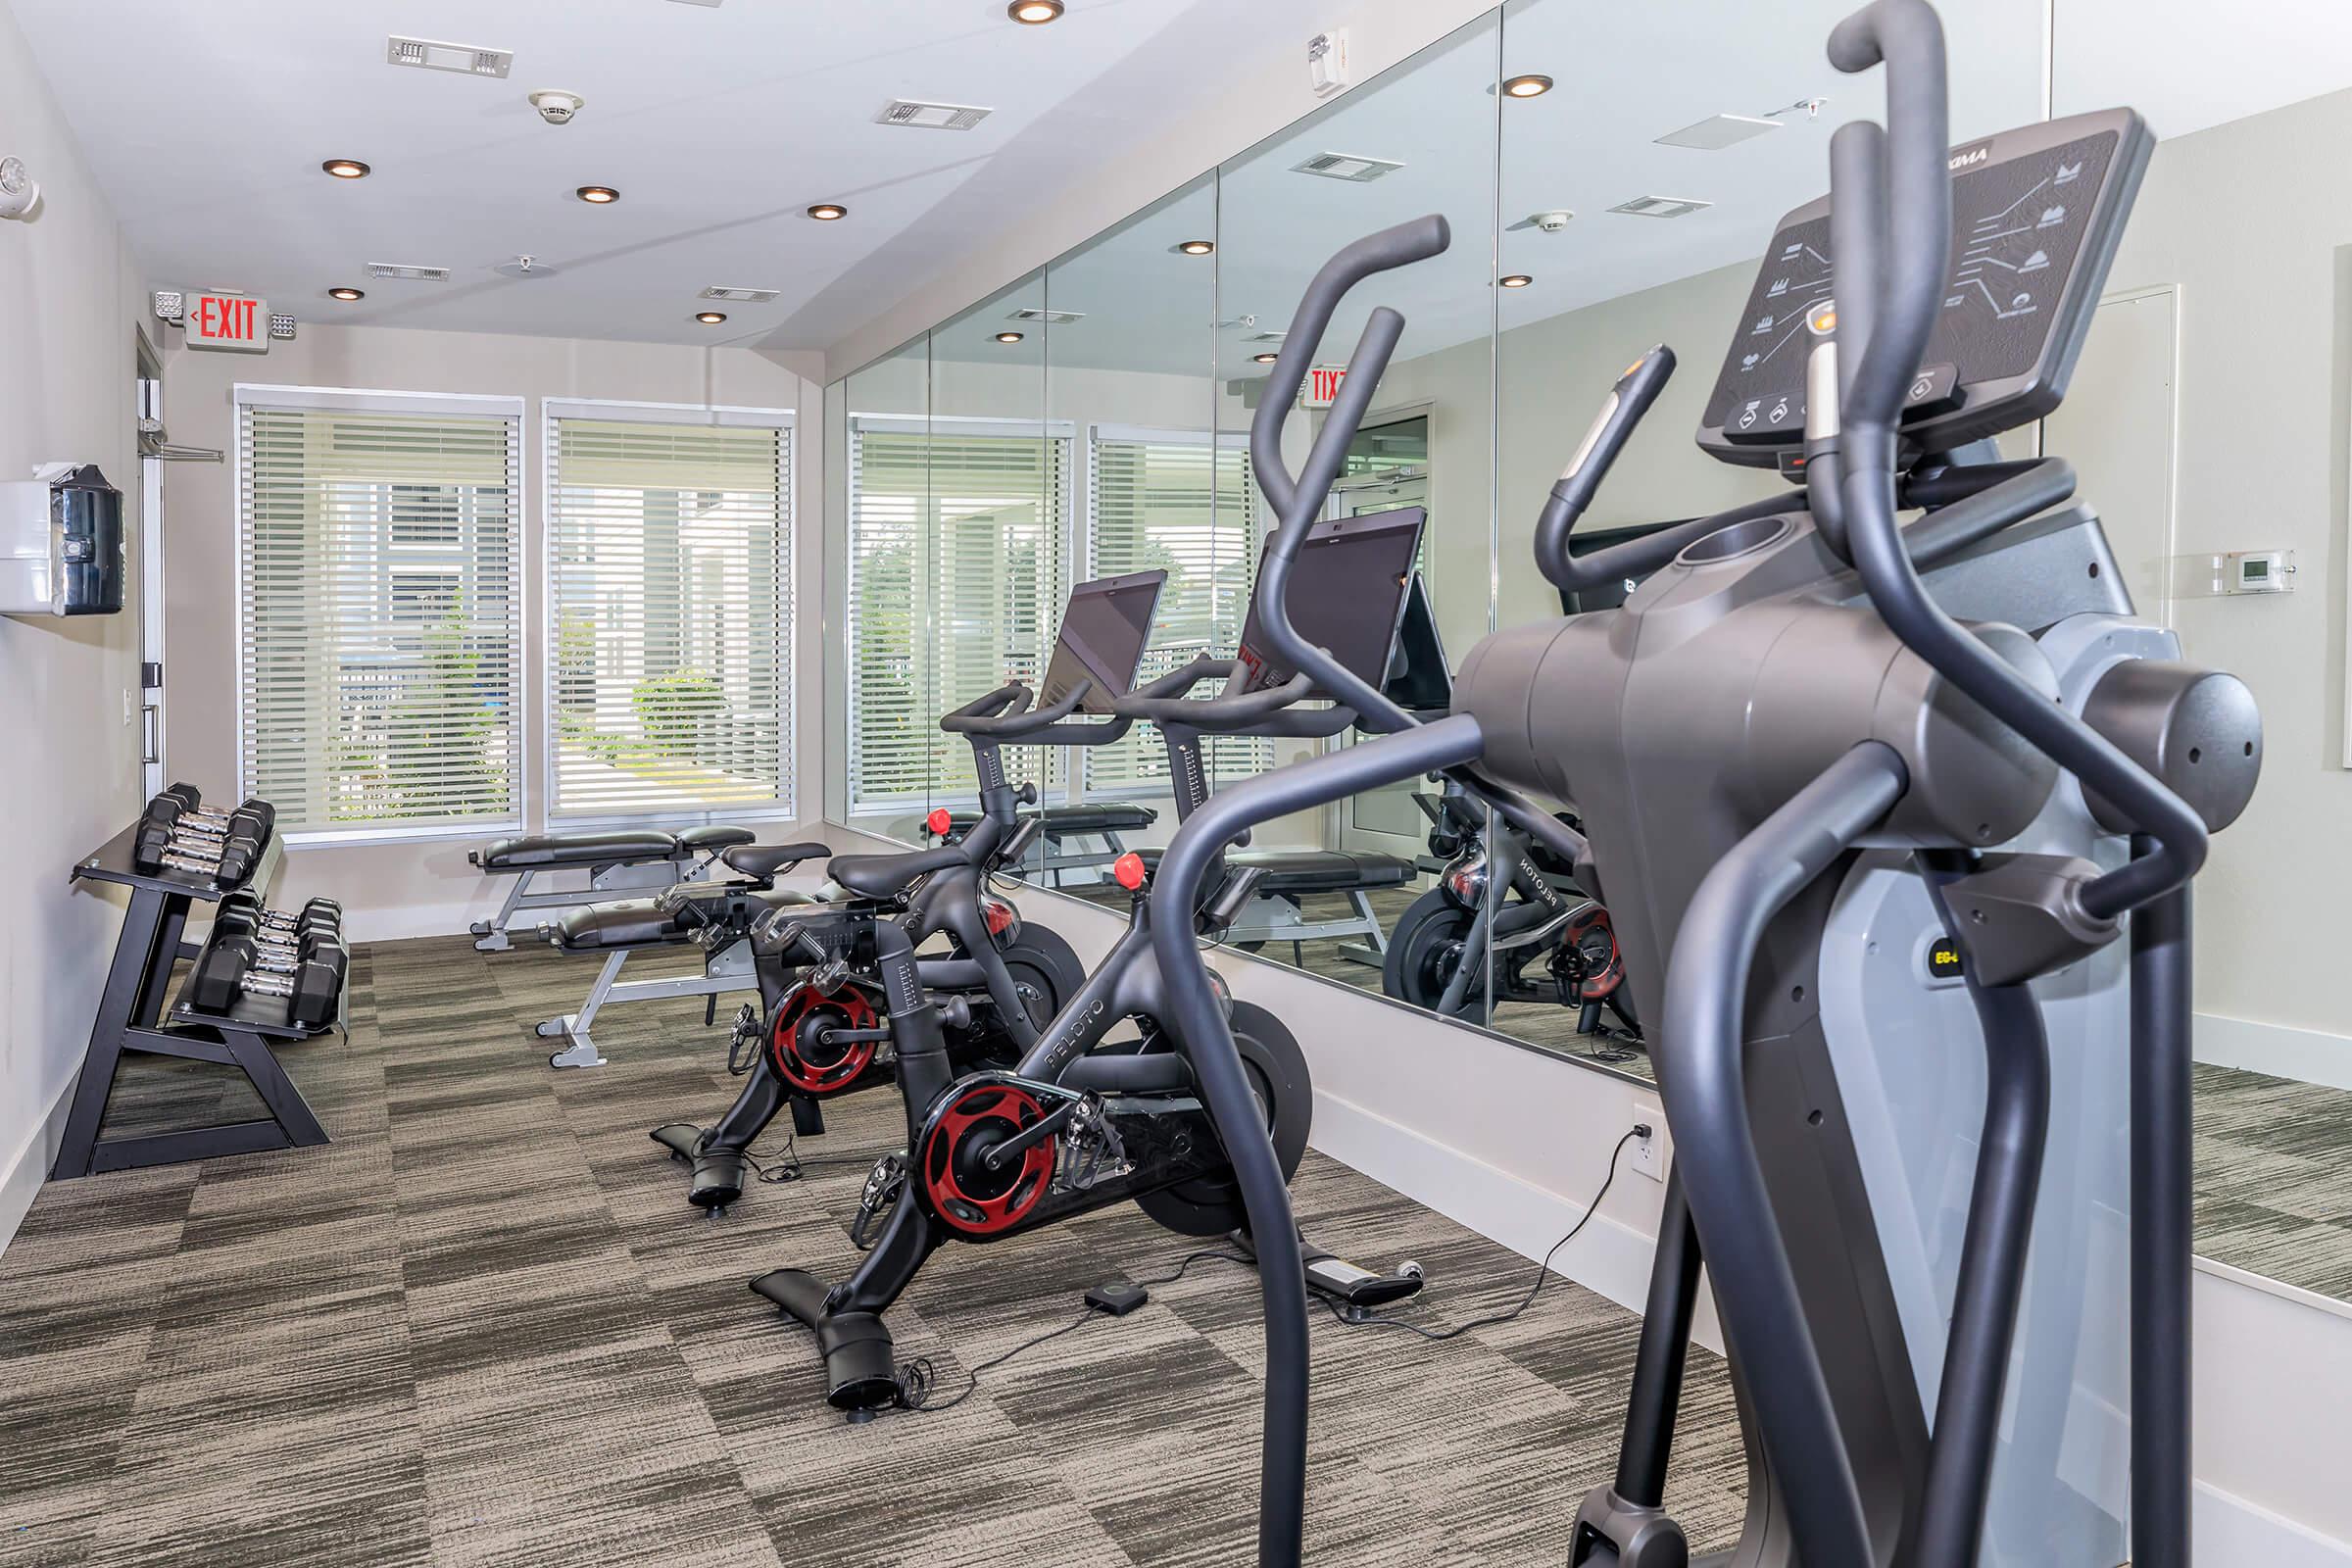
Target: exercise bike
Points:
(1881, 851)
(1084, 1121)
(1542, 924)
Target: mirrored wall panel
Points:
(1612, 178)
(2208, 424)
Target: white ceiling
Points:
(720, 125)
(207, 122)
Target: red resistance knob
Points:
(1128, 871)
(938, 821)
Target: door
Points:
(1385, 820)
(148, 501)
(2117, 427)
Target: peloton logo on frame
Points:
(1970, 156)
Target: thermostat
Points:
(2259, 571)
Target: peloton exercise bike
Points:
(1878, 808)
(1083, 1121)
(808, 1042)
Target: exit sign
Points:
(227, 322)
(1323, 385)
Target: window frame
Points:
(515, 412)
(542, 700)
(1061, 526)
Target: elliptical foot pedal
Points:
(861, 1373)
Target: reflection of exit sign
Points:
(229, 322)
(1323, 385)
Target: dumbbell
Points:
(226, 852)
(280, 947)
(231, 966)
(313, 915)
(192, 812)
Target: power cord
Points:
(917, 1378)
(1543, 1269)
(777, 1166)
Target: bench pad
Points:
(713, 837)
(1081, 816)
(541, 852)
(1305, 872)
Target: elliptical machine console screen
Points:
(2014, 311)
(1346, 596)
(1102, 635)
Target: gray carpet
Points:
(483, 1326)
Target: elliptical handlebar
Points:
(1628, 401)
(1906, 201)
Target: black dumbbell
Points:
(279, 944)
(232, 966)
(167, 837)
(317, 913)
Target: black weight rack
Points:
(131, 1019)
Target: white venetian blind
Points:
(669, 611)
(1173, 501)
(380, 608)
(955, 587)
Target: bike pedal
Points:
(883, 1184)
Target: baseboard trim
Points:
(2230, 1529)
(1610, 1257)
(2283, 1051)
(28, 1169)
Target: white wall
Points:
(419, 888)
(67, 380)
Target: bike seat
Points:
(886, 876)
(760, 861)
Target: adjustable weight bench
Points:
(1286, 876)
(636, 860)
(716, 915)
(1062, 826)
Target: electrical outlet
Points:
(1651, 1155)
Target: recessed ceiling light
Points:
(347, 168)
(1034, 13)
(598, 195)
(1515, 281)
(1198, 247)
(1530, 86)
(710, 318)
(828, 212)
(1011, 338)
(347, 294)
(1263, 359)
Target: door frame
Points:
(148, 404)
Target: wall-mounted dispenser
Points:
(60, 543)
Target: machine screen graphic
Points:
(1347, 595)
(2017, 229)
(1102, 635)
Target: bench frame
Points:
(605, 879)
(729, 969)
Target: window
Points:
(669, 621)
(1170, 500)
(380, 608)
(956, 531)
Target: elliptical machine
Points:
(1873, 806)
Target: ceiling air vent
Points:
(1660, 207)
(1717, 132)
(746, 296)
(462, 58)
(930, 117)
(1344, 166)
(1032, 313)
(420, 275)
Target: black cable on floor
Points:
(1364, 1320)
(786, 1164)
(916, 1377)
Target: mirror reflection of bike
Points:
(1542, 939)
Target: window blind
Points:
(380, 608)
(669, 617)
(1175, 502)
(955, 586)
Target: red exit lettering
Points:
(226, 322)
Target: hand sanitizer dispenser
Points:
(60, 543)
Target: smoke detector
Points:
(556, 106)
(1660, 207)
(462, 58)
(744, 296)
(527, 268)
(1551, 222)
(930, 117)
(417, 275)
(1346, 167)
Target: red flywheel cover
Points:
(794, 1066)
(966, 1195)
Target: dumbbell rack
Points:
(130, 1018)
